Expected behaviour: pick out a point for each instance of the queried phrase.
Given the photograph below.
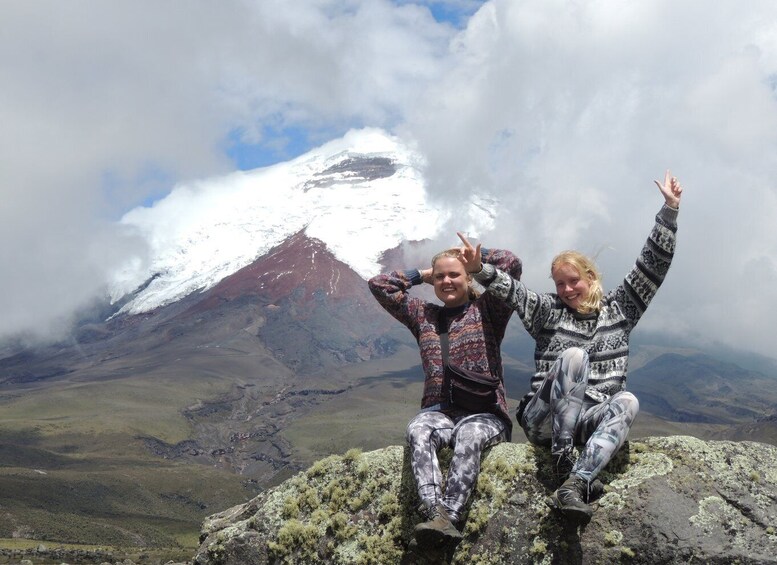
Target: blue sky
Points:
(277, 144)
(563, 111)
(294, 142)
(281, 143)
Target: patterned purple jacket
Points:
(475, 329)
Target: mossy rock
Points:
(667, 500)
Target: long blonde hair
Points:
(454, 252)
(587, 268)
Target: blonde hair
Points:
(586, 267)
(454, 253)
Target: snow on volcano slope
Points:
(361, 195)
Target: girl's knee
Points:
(575, 352)
(574, 356)
(428, 426)
(418, 426)
(633, 403)
(478, 435)
(628, 403)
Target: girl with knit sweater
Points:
(475, 326)
(578, 393)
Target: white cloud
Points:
(105, 105)
(567, 111)
(564, 110)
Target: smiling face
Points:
(451, 282)
(571, 287)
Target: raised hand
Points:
(671, 189)
(469, 255)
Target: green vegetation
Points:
(74, 468)
(118, 504)
(539, 547)
(87, 553)
(613, 538)
(349, 500)
(370, 416)
(361, 508)
(87, 417)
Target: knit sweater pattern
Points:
(475, 331)
(604, 335)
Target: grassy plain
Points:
(375, 412)
(74, 467)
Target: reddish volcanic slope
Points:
(301, 265)
(309, 309)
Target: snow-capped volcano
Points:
(360, 195)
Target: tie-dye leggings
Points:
(560, 415)
(469, 435)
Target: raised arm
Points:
(641, 283)
(532, 308)
(671, 190)
(473, 258)
(391, 292)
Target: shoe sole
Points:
(435, 538)
(571, 513)
(431, 554)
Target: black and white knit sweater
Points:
(603, 335)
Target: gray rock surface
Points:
(667, 500)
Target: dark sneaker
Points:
(569, 499)
(438, 530)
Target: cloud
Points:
(564, 111)
(108, 105)
(567, 111)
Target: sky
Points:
(563, 110)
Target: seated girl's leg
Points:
(471, 436)
(550, 418)
(426, 434)
(604, 429)
(536, 421)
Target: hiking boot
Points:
(442, 554)
(438, 530)
(595, 490)
(562, 466)
(569, 499)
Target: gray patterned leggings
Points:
(468, 435)
(560, 415)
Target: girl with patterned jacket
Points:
(578, 393)
(475, 326)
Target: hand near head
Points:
(427, 275)
(469, 255)
(671, 190)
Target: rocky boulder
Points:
(666, 500)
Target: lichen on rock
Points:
(667, 500)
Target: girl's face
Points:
(450, 280)
(571, 287)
